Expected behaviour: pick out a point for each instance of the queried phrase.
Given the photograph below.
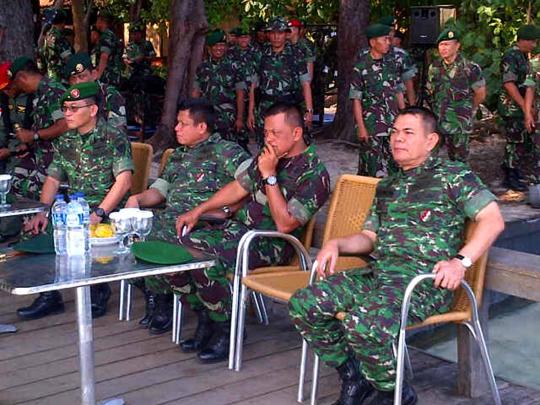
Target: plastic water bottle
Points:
(75, 238)
(59, 213)
(86, 219)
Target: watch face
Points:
(271, 180)
(466, 262)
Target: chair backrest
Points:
(142, 160)
(164, 159)
(349, 206)
(475, 277)
(306, 239)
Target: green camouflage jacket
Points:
(135, 50)
(248, 59)
(54, 53)
(307, 50)
(112, 106)
(406, 66)
(450, 90)
(110, 44)
(514, 68)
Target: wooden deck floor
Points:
(39, 365)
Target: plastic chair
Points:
(464, 311)
(142, 160)
(349, 207)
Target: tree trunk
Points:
(135, 11)
(353, 20)
(186, 40)
(80, 26)
(16, 29)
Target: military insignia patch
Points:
(75, 93)
(451, 34)
(79, 68)
(199, 177)
(425, 215)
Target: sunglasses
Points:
(75, 108)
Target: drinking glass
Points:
(142, 224)
(5, 186)
(121, 223)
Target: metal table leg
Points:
(6, 328)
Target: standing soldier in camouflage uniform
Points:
(200, 166)
(282, 76)
(404, 62)
(56, 48)
(455, 88)
(514, 68)
(296, 36)
(109, 52)
(94, 158)
(282, 189)
(220, 80)
(111, 104)
(415, 227)
(43, 134)
(139, 53)
(377, 94)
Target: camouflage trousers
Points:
(225, 120)
(209, 288)
(375, 158)
(373, 305)
(522, 149)
(457, 146)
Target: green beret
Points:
(77, 63)
(215, 37)
(17, 65)
(528, 32)
(448, 34)
(387, 20)
(239, 31)
(377, 30)
(278, 24)
(80, 92)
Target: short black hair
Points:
(200, 110)
(293, 116)
(428, 117)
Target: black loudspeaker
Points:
(427, 23)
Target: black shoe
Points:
(513, 180)
(354, 387)
(99, 295)
(408, 397)
(202, 336)
(218, 349)
(149, 307)
(162, 317)
(47, 303)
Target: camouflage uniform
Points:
(91, 162)
(55, 52)
(514, 68)
(419, 217)
(450, 90)
(279, 78)
(112, 106)
(110, 44)
(405, 63)
(135, 50)
(375, 83)
(218, 81)
(306, 49)
(305, 184)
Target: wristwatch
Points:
(465, 261)
(270, 180)
(226, 209)
(36, 136)
(100, 212)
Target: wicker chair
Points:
(164, 159)
(349, 207)
(142, 160)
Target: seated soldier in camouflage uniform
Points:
(415, 226)
(282, 189)
(111, 104)
(94, 158)
(200, 166)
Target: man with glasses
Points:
(94, 158)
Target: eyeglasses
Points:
(74, 108)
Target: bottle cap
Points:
(59, 196)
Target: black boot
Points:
(99, 295)
(408, 396)
(47, 303)
(354, 387)
(162, 317)
(513, 180)
(218, 350)
(202, 336)
(149, 307)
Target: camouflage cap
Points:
(80, 91)
(18, 65)
(377, 30)
(448, 34)
(4, 79)
(78, 63)
(387, 20)
(528, 32)
(278, 24)
(215, 37)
